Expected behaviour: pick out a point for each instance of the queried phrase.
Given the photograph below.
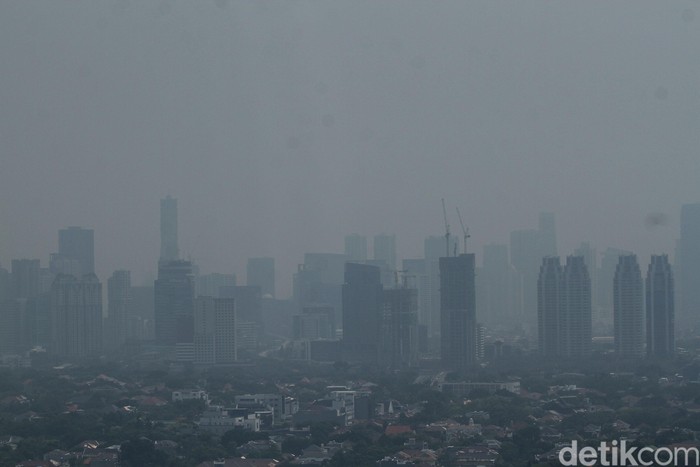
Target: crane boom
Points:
(447, 229)
(464, 230)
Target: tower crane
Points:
(464, 230)
(447, 229)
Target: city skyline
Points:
(362, 119)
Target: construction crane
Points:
(447, 229)
(464, 230)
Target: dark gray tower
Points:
(628, 305)
(400, 328)
(576, 320)
(363, 303)
(76, 243)
(356, 248)
(549, 296)
(169, 250)
(660, 310)
(118, 300)
(174, 303)
(458, 349)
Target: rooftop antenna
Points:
(447, 229)
(464, 230)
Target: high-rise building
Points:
(249, 320)
(209, 285)
(606, 275)
(25, 278)
(214, 331)
(549, 306)
(141, 313)
(591, 259)
(356, 248)
(434, 247)
(261, 272)
(76, 243)
(399, 335)
(564, 308)
(76, 316)
(169, 250)
(660, 308)
(315, 322)
(385, 249)
(575, 322)
(458, 312)
(689, 270)
(174, 303)
(363, 304)
(628, 305)
(118, 304)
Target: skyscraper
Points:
(363, 304)
(76, 243)
(356, 248)
(575, 322)
(458, 312)
(689, 262)
(497, 273)
(547, 234)
(628, 305)
(214, 331)
(76, 315)
(399, 339)
(174, 302)
(564, 308)
(385, 249)
(549, 306)
(118, 301)
(526, 258)
(169, 250)
(660, 308)
(261, 272)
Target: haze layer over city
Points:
(349, 233)
(283, 126)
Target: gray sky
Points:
(281, 126)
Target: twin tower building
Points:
(564, 308)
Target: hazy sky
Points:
(281, 126)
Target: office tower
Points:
(356, 248)
(564, 308)
(458, 312)
(399, 334)
(174, 302)
(689, 270)
(526, 258)
(261, 272)
(417, 277)
(549, 306)
(169, 250)
(76, 312)
(78, 244)
(575, 321)
(591, 259)
(434, 247)
(118, 304)
(249, 321)
(496, 291)
(660, 310)
(362, 312)
(315, 322)
(547, 235)
(385, 249)
(628, 306)
(319, 281)
(606, 275)
(214, 331)
(209, 285)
